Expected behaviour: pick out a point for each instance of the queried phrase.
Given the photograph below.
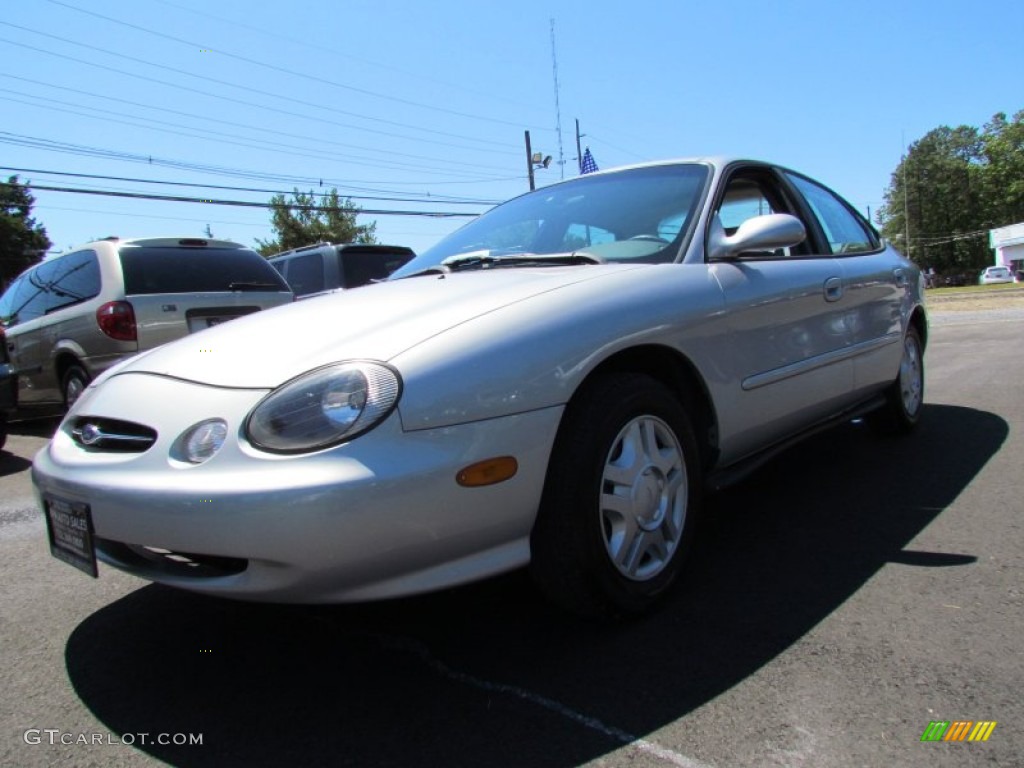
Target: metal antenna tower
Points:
(558, 108)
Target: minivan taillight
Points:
(117, 320)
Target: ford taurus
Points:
(555, 385)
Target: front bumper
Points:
(378, 517)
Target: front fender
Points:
(536, 353)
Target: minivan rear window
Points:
(151, 269)
(361, 266)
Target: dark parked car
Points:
(324, 267)
(8, 387)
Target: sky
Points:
(415, 108)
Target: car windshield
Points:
(636, 215)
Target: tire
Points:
(3, 431)
(904, 398)
(74, 382)
(620, 500)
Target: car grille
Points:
(101, 434)
(158, 560)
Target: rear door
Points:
(875, 281)
(175, 291)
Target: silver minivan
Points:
(325, 267)
(69, 318)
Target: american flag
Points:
(588, 165)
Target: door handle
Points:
(833, 289)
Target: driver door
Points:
(787, 333)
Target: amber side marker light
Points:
(487, 472)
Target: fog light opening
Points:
(204, 440)
(487, 472)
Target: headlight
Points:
(324, 407)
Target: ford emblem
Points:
(91, 434)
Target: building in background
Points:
(1008, 243)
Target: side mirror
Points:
(760, 233)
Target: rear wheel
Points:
(74, 383)
(905, 396)
(3, 430)
(620, 499)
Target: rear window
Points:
(360, 266)
(196, 270)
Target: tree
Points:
(1003, 148)
(936, 195)
(954, 185)
(306, 220)
(22, 240)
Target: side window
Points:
(29, 298)
(7, 305)
(757, 192)
(744, 199)
(845, 231)
(582, 235)
(306, 274)
(74, 279)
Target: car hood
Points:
(374, 322)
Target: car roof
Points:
(181, 241)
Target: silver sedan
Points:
(554, 385)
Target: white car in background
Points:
(992, 275)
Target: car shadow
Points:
(35, 425)
(490, 674)
(11, 464)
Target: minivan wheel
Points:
(74, 383)
(620, 499)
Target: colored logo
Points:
(958, 730)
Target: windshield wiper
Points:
(484, 261)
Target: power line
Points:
(235, 189)
(335, 51)
(51, 145)
(251, 204)
(195, 132)
(283, 70)
(232, 123)
(237, 86)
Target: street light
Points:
(534, 160)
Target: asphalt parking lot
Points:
(851, 592)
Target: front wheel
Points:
(620, 499)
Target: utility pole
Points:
(529, 160)
(579, 152)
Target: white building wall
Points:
(1008, 244)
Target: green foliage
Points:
(1004, 155)
(954, 185)
(22, 240)
(310, 218)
